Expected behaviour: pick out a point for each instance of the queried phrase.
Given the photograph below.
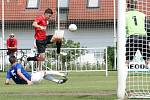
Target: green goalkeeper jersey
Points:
(135, 23)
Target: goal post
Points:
(121, 50)
(133, 46)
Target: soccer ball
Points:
(72, 27)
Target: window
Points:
(63, 3)
(32, 4)
(93, 3)
(63, 10)
(63, 15)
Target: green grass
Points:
(80, 86)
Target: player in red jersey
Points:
(40, 25)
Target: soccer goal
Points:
(133, 49)
(76, 60)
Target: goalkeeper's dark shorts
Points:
(134, 43)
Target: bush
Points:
(110, 58)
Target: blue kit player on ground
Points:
(20, 76)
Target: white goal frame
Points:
(122, 70)
(133, 81)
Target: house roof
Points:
(78, 10)
(16, 9)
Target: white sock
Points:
(55, 73)
(50, 78)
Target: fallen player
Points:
(20, 76)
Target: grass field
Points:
(80, 86)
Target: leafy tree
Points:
(72, 54)
(110, 57)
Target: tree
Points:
(110, 57)
(71, 54)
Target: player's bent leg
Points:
(62, 81)
(58, 45)
(57, 73)
(51, 78)
(39, 57)
(32, 59)
(48, 39)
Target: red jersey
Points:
(11, 42)
(40, 34)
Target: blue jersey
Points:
(12, 73)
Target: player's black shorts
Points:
(134, 43)
(41, 44)
(48, 39)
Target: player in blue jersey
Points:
(20, 76)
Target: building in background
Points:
(94, 19)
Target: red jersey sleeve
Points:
(37, 19)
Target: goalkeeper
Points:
(21, 76)
(136, 33)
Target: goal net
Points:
(137, 48)
(94, 20)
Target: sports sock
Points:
(55, 73)
(58, 45)
(50, 78)
(32, 59)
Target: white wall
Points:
(87, 38)
(92, 38)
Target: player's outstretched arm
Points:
(7, 82)
(8, 76)
(35, 24)
(23, 77)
